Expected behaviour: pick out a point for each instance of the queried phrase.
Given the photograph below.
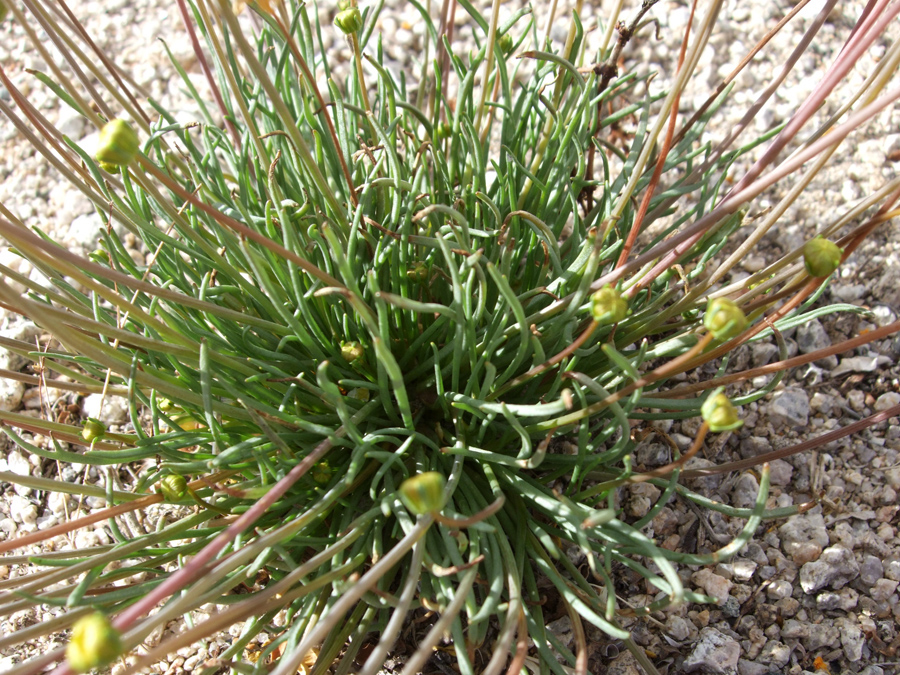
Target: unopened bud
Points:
(505, 43)
(719, 413)
(423, 493)
(321, 473)
(173, 487)
(418, 272)
(118, 143)
(443, 130)
(821, 257)
(349, 20)
(94, 644)
(724, 319)
(93, 429)
(608, 306)
(352, 351)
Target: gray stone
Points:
(746, 667)
(714, 653)
(678, 628)
(624, 664)
(886, 401)
(780, 472)
(872, 670)
(861, 364)
(791, 408)
(793, 629)
(883, 589)
(779, 589)
(871, 570)
(846, 599)
(652, 454)
(812, 337)
(717, 586)
(745, 491)
(775, 653)
(892, 570)
(753, 446)
(835, 567)
(731, 608)
(852, 639)
(804, 536)
(822, 635)
(762, 353)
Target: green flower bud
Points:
(94, 644)
(93, 429)
(724, 319)
(118, 143)
(343, 4)
(719, 413)
(423, 493)
(352, 351)
(608, 306)
(418, 273)
(821, 257)
(166, 405)
(505, 43)
(443, 130)
(321, 473)
(173, 487)
(349, 20)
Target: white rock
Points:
(24, 331)
(717, 586)
(714, 653)
(11, 393)
(109, 409)
(886, 401)
(17, 463)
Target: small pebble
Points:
(714, 653)
(790, 408)
(835, 567)
(776, 654)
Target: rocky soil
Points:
(815, 593)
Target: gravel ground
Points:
(816, 592)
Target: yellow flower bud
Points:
(118, 143)
(418, 273)
(724, 319)
(821, 257)
(321, 473)
(166, 405)
(349, 20)
(608, 306)
(352, 351)
(423, 493)
(93, 430)
(173, 487)
(94, 644)
(443, 130)
(719, 413)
